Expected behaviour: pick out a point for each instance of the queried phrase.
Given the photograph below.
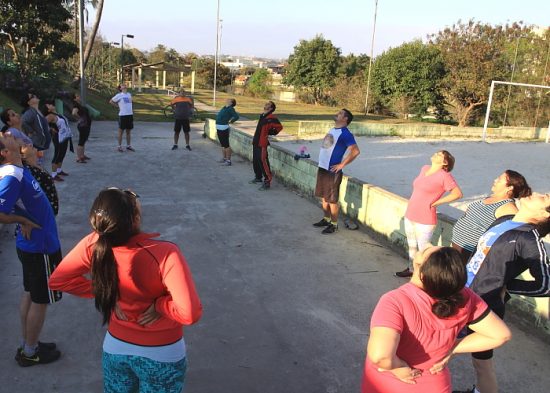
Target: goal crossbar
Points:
(493, 83)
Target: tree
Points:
(33, 31)
(72, 7)
(352, 65)
(473, 56)
(205, 73)
(259, 83)
(98, 5)
(349, 92)
(408, 77)
(313, 66)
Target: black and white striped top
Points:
(477, 219)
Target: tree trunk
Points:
(95, 27)
(464, 113)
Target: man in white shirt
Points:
(123, 101)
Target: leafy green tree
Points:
(33, 31)
(158, 54)
(205, 73)
(526, 52)
(313, 66)
(352, 65)
(259, 84)
(473, 55)
(408, 78)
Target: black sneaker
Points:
(188, 147)
(41, 345)
(322, 223)
(331, 228)
(255, 181)
(41, 356)
(404, 273)
(174, 147)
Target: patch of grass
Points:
(290, 113)
(147, 107)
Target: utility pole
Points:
(81, 50)
(216, 55)
(371, 56)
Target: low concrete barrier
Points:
(381, 212)
(312, 128)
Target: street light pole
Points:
(122, 55)
(110, 65)
(371, 56)
(81, 50)
(216, 55)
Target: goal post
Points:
(487, 113)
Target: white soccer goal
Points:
(493, 83)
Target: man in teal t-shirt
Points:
(225, 116)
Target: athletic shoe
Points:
(222, 161)
(174, 147)
(41, 345)
(62, 173)
(264, 187)
(130, 148)
(41, 356)
(322, 223)
(331, 228)
(472, 390)
(227, 163)
(188, 147)
(404, 273)
(120, 149)
(255, 181)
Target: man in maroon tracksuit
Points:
(267, 125)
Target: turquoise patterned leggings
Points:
(133, 374)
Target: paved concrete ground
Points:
(286, 310)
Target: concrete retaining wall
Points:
(312, 128)
(379, 211)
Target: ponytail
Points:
(104, 277)
(446, 307)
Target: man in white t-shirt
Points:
(123, 101)
(338, 150)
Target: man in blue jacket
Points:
(510, 247)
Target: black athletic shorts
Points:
(83, 135)
(223, 137)
(126, 122)
(182, 123)
(37, 269)
(328, 185)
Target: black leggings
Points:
(83, 134)
(60, 149)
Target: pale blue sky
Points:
(273, 28)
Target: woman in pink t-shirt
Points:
(414, 327)
(428, 188)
